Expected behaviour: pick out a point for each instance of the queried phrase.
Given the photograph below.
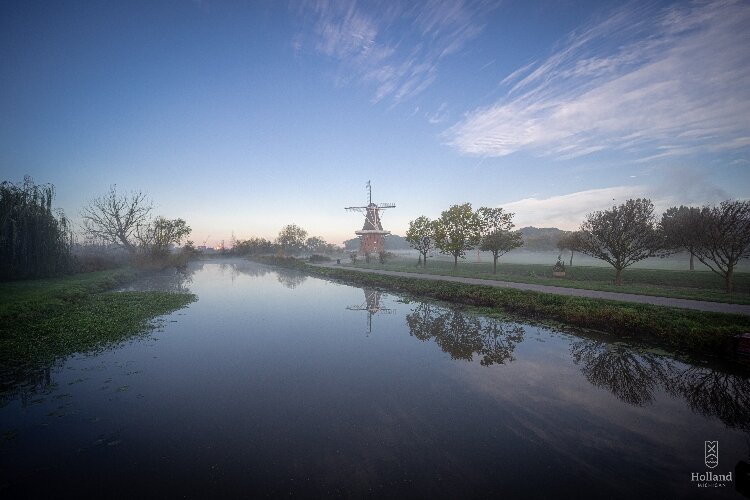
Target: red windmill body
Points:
(372, 235)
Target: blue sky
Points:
(247, 116)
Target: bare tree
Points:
(622, 235)
(724, 237)
(115, 218)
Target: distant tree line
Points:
(292, 240)
(717, 235)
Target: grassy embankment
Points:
(678, 329)
(696, 285)
(42, 320)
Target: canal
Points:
(275, 384)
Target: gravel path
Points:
(699, 305)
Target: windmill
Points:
(372, 306)
(371, 236)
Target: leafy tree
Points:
(253, 246)
(499, 243)
(156, 237)
(115, 218)
(291, 239)
(569, 241)
(496, 231)
(680, 229)
(622, 235)
(35, 241)
(316, 244)
(456, 231)
(724, 237)
(421, 236)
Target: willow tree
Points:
(622, 235)
(35, 240)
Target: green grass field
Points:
(697, 285)
(47, 319)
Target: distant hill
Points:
(540, 239)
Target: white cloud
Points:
(654, 83)
(568, 211)
(677, 186)
(394, 48)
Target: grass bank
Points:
(43, 320)
(682, 330)
(696, 285)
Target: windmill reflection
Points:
(372, 306)
(634, 377)
(463, 336)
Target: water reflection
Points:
(25, 382)
(176, 280)
(463, 336)
(290, 279)
(371, 305)
(631, 377)
(634, 377)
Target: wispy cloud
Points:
(396, 49)
(440, 115)
(654, 83)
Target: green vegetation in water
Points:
(683, 330)
(43, 320)
(696, 285)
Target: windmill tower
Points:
(372, 235)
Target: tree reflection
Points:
(290, 280)
(24, 382)
(634, 377)
(463, 336)
(631, 377)
(715, 394)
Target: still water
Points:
(274, 383)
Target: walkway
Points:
(699, 305)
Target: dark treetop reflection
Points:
(464, 336)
